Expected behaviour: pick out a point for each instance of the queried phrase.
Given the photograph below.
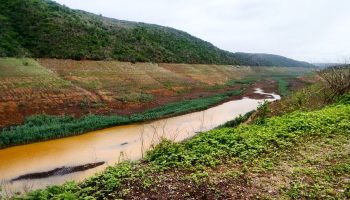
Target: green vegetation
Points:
(27, 73)
(283, 87)
(301, 154)
(263, 111)
(246, 142)
(268, 60)
(183, 107)
(136, 97)
(44, 127)
(237, 121)
(44, 35)
(315, 168)
(235, 156)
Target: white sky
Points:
(310, 30)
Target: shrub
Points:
(337, 79)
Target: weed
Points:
(262, 113)
(237, 121)
(197, 177)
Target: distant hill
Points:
(46, 29)
(268, 60)
(325, 65)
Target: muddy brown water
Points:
(108, 146)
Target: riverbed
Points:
(37, 165)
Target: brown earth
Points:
(77, 88)
(14, 112)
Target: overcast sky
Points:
(310, 30)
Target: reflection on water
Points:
(110, 145)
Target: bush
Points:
(337, 79)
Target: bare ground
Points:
(66, 87)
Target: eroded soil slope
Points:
(59, 87)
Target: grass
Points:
(229, 159)
(316, 168)
(283, 86)
(310, 98)
(120, 79)
(27, 73)
(45, 127)
(184, 106)
(245, 142)
(126, 81)
(237, 121)
(136, 97)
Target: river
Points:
(37, 165)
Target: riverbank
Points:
(297, 155)
(109, 146)
(79, 88)
(45, 127)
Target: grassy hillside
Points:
(300, 155)
(45, 29)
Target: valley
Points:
(50, 98)
(109, 146)
(93, 107)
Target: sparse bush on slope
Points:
(337, 79)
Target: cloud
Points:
(312, 30)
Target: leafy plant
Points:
(237, 121)
(263, 110)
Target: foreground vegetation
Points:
(236, 163)
(45, 127)
(44, 35)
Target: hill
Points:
(51, 30)
(268, 60)
(325, 65)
